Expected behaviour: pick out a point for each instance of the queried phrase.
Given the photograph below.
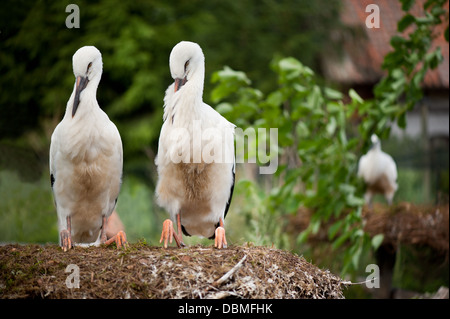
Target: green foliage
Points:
(318, 163)
(135, 39)
(408, 63)
(26, 210)
(419, 268)
(137, 211)
(28, 213)
(317, 140)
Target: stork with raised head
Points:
(85, 160)
(379, 172)
(195, 190)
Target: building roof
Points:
(362, 56)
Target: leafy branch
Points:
(318, 144)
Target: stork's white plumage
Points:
(193, 189)
(85, 160)
(379, 172)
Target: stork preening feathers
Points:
(85, 160)
(379, 172)
(195, 157)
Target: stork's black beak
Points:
(179, 83)
(80, 86)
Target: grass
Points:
(137, 210)
(27, 211)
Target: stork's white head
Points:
(87, 67)
(375, 141)
(186, 62)
(374, 138)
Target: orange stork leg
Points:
(180, 233)
(120, 238)
(65, 235)
(168, 232)
(220, 240)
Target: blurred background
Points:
(135, 37)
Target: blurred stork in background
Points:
(379, 172)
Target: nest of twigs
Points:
(403, 223)
(406, 223)
(142, 271)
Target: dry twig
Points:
(227, 276)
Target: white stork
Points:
(85, 160)
(379, 172)
(195, 190)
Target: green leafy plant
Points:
(318, 161)
(319, 142)
(406, 65)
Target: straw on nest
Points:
(410, 224)
(403, 223)
(142, 271)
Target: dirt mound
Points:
(142, 271)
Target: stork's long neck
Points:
(191, 97)
(193, 92)
(377, 146)
(184, 105)
(88, 100)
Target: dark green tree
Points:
(135, 38)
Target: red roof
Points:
(360, 63)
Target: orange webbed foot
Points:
(66, 240)
(120, 239)
(168, 233)
(220, 241)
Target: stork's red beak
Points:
(80, 86)
(179, 83)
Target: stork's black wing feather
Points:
(226, 207)
(52, 181)
(231, 192)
